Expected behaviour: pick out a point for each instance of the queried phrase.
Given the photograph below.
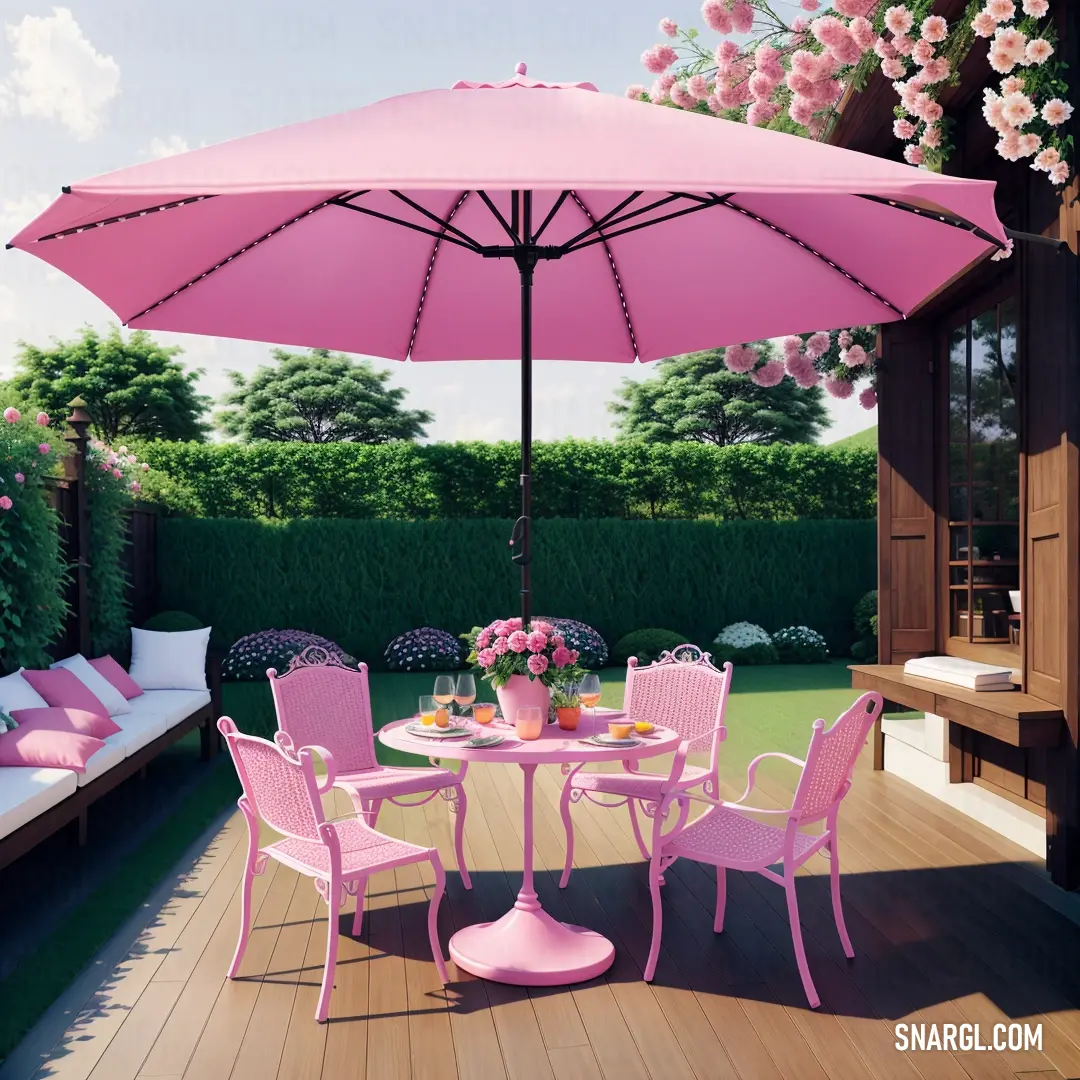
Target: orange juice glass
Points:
(483, 713)
(529, 723)
(427, 710)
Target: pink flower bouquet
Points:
(505, 648)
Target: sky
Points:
(100, 84)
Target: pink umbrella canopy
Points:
(515, 219)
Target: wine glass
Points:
(464, 691)
(444, 689)
(589, 692)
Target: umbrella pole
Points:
(526, 257)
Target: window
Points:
(984, 479)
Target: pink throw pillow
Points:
(44, 749)
(64, 690)
(76, 721)
(112, 670)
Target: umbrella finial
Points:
(521, 69)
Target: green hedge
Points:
(361, 583)
(572, 479)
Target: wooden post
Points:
(75, 473)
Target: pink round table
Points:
(527, 947)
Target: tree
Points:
(131, 388)
(318, 397)
(695, 398)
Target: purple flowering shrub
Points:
(250, 656)
(424, 649)
(591, 648)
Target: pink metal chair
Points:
(725, 837)
(281, 788)
(682, 691)
(320, 702)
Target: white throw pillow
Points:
(17, 693)
(96, 683)
(174, 660)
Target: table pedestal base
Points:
(527, 947)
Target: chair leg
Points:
(458, 808)
(657, 917)
(433, 916)
(333, 903)
(721, 899)
(837, 906)
(568, 826)
(632, 804)
(797, 939)
(358, 918)
(373, 808)
(246, 888)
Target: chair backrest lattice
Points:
(321, 702)
(682, 691)
(831, 758)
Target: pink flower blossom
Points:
(862, 32)
(767, 61)
(740, 358)
(716, 16)
(792, 346)
(931, 137)
(514, 624)
(561, 656)
(992, 112)
(12, 415)
(923, 52)
(42, 419)
(892, 69)
(1029, 144)
(681, 98)
(855, 9)
(659, 58)
(117, 473)
(727, 52)
(518, 641)
(903, 45)
(634, 92)
(769, 374)
(761, 113)
(483, 639)
(801, 109)
(1000, 10)
(818, 344)
(1046, 160)
(697, 87)
(838, 388)
(1059, 173)
(44, 448)
(868, 399)
(884, 49)
(983, 24)
(1012, 41)
(742, 17)
(103, 467)
(930, 110)
(558, 641)
(903, 129)
(144, 467)
(844, 339)
(500, 646)
(937, 70)
(1003, 253)
(657, 93)
(5, 502)
(537, 664)
(574, 656)
(1036, 8)
(19, 478)
(809, 5)
(854, 357)
(537, 641)
(1011, 84)
(913, 155)
(486, 657)
(1008, 145)
(136, 486)
(1017, 109)
(543, 627)
(669, 27)
(1056, 111)
(898, 20)
(1038, 51)
(934, 28)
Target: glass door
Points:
(984, 479)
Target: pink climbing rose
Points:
(144, 467)
(42, 419)
(44, 448)
(659, 58)
(669, 27)
(5, 502)
(868, 399)
(136, 486)
(12, 415)
(19, 478)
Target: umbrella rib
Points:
(235, 255)
(556, 206)
(506, 226)
(614, 273)
(817, 255)
(955, 221)
(702, 204)
(115, 220)
(427, 277)
(444, 225)
(471, 245)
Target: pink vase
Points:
(521, 691)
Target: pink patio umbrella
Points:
(413, 229)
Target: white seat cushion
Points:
(112, 753)
(172, 705)
(27, 792)
(138, 728)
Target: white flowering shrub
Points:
(744, 643)
(800, 645)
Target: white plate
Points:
(610, 740)
(433, 732)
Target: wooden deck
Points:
(951, 924)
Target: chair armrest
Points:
(751, 770)
(727, 804)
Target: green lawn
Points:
(866, 437)
(771, 708)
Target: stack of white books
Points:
(957, 672)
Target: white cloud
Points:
(15, 213)
(7, 304)
(59, 75)
(162, 148)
